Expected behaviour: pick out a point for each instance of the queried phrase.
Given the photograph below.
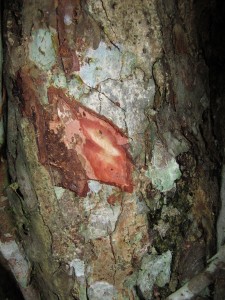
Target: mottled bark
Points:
(111, 154)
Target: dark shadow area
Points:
(211, 25)
(210, 28)
(216, 62)
(9, 289)
(8, 286)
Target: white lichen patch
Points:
(102, 221)
(16, 261)
(41, 49)
(59, 191)
(102, 217)
(100, 290)
(155, 269)
(78, 266)
(67, 20)
(94, 186)
(163, 170)
(100, 64)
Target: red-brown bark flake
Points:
(74, 141)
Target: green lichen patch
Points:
(154, 271)
(77, 88)
(102, 290)
(59, 80)
(163, 170)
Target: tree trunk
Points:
(113, 164)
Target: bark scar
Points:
(76, 143)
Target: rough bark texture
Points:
(111, 154)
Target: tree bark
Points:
(111, 155)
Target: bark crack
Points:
(110, 40)
(125, 122)
(100, 102)
(110, 22)
(103, 6)
(114, 257)
(112, 101)
(100, 92)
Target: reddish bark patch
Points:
(77, 32)
(64, 164)
(100, 145)
(69, 13)
(76, 143)
(112, 199)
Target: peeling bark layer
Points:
(75, 141)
